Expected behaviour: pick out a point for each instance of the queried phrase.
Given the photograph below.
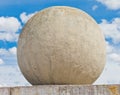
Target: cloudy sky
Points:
(15, 13)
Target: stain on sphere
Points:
(61, 45)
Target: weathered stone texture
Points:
(63, 90)
(61, 45)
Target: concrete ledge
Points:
(62, 90)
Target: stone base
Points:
(62, 90)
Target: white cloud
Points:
(111, 4)
(24, 17)
(113, 54)
(109, 48)
(111, 29)
(94, 7)
(7, 36)
(11, 76)
(9, 56)
(3, 85)
(9, 24)
(13, 50)
(1, 61)
(8, 28)
(115, 57)
(3, 52)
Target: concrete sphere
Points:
(61, 45)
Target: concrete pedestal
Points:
(62, 90)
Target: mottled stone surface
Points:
(61, 45)
(63, 90)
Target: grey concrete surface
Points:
(62, 90)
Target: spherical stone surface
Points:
(61, 45)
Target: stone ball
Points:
(61, 45)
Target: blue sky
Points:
(15, 13)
